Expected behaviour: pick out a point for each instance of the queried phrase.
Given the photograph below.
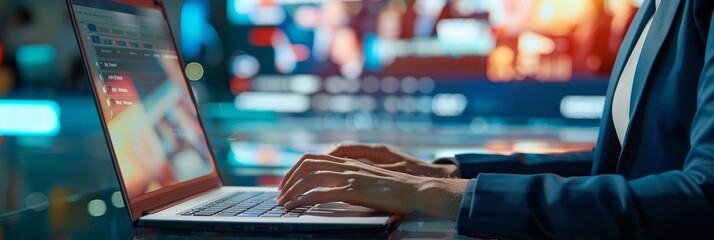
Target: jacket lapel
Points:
(661, 26)
(607, 152)
(638, 24)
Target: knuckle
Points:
(308, 156)
(350, 164)
(354, 165)
(318, 194)
(380, 146)
(314, 173)
(309, 161)
(309, 176)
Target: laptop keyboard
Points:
(246, 204)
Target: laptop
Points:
(166, 169)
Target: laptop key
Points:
(225, 214)
(204, 214)
(252, 213)
(255, 211)
(244, 205)
(271, 215)
(248, 215)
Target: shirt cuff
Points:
(466, 209)
(467, 212)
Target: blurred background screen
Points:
(426, 60)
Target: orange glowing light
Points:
(267, 3)
(500, 65)
(531, 47)
(534, 43)
(560, 17)
(6, 80)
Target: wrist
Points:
(448, 167)
(451, 170)
(443, 170)
(440, 197)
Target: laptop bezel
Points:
(153, 201)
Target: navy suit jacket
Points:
(659, 184)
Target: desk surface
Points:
(71, 217)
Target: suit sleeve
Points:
(671, 205)
(566, 164)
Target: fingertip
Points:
(289, 205)
(293, 203)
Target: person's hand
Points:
(392, 159)
(354, 182)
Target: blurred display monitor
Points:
(423, 60)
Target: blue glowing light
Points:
(29, 118)
(34, 55)
(194, 15)
(373, 59)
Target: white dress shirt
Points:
(623, 91)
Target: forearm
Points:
(440, 197)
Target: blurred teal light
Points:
(34, 55)
(194, 15)
(29, 118)
(238, 11)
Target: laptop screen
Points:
(144, 98)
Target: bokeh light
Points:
(117, 200)
(36, 201)
(194, 71)
(96, 208)
(244, 66)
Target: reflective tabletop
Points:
(61, 184)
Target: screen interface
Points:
(144, 98)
